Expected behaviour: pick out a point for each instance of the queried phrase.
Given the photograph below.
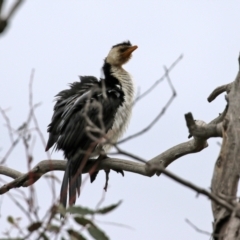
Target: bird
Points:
(91, 115)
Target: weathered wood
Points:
(227, 168)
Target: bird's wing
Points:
(79, 123)
(82, 116)
(85, 122)
(64, 100)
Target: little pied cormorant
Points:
(90, 113)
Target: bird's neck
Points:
(118, 76)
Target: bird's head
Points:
(120, 53)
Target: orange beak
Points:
(128, 52)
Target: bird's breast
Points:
(124, 111)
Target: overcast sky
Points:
(64, 39)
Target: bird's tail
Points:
(72, 178)
(72, 182)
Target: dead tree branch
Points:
(144, 169)
(4, 21)
(202, 130)
(218, 91)
(226, 172)
(161, 161)
(163, 110)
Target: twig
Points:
(32, 112)
(21, 208)
(194, 187)
(15, 6)
(8, 124)
(9, 151)
(161, 79)
(164, 159)
(197, 229)
(161, 113)
(5, 20)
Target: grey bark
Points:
(225, 179)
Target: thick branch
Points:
(162, 160)
(202, 130)
(201, 133)
(218, 91)
(226, 172)
(144, 169)
(180, 150)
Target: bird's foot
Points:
(107, 178)
(93, 174)
(119, 171)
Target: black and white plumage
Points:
(88, 113)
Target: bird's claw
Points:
(119, 171)
(107, 178)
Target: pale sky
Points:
(64, 39)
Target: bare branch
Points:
(9, 151)
(199, 190)
(15, 6)
(161, 79)
(218, 91)
(166, 158)
(199, 230)
(9, 172)
(161, 113)
(225, 180)
(201, 129)
(5, 20)
(144, 169)
(162, 160)
(8, 124)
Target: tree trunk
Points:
(225, 179)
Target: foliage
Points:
(53, 226)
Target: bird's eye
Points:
(122, 50)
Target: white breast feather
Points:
(123, 114)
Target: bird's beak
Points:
(128, 52)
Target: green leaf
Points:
(83, 221)
(53, 228)
(61, 209)
(96, 233)
(93, 230)
(10, 219)
(34, 226)
(80, 210)
(87, 211)
(108, 209)
(44, 236)
(75, 235)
